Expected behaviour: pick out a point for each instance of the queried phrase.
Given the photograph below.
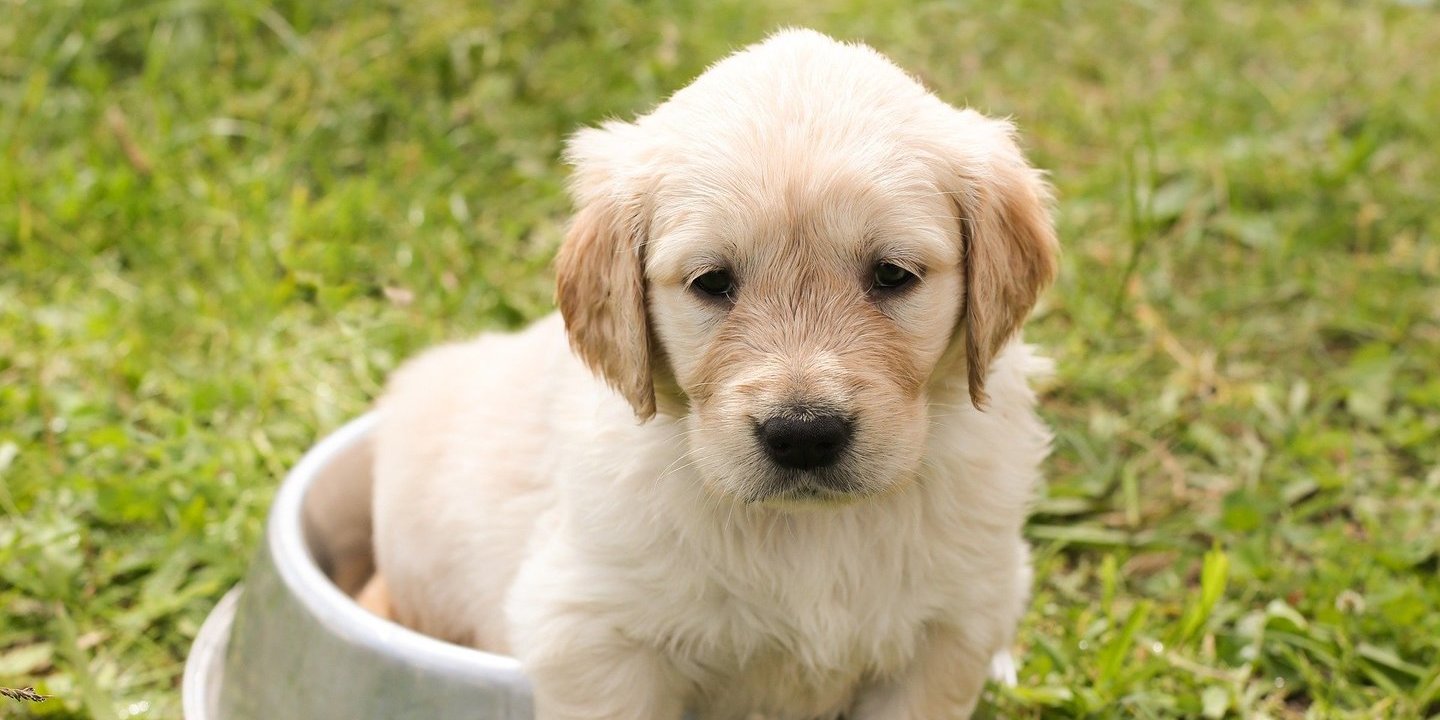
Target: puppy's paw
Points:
(375, 597)
(1003, 669)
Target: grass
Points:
(222, 223)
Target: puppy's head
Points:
(797, 252)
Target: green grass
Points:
(222, 223)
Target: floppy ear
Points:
(1010, 251)
(600, 280)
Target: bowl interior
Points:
(335, 517)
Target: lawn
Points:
(222, 223)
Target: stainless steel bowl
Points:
(293, 644)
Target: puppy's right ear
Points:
(600, 279)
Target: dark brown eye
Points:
(889, 276)
(716, 283)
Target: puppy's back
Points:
(460, 477)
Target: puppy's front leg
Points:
(943, 682)
(585, 672)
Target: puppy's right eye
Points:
(716, 283)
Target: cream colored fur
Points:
(589, 494)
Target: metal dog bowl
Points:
(293, 644)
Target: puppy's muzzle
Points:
(805, 441)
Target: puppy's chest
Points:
(825, 634)
(809, 622)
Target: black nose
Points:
(805, 442)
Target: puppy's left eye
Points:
(716, 283)
(889, 276)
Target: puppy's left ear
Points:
(600, 279)
(1011, 253)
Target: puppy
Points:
(781, 466)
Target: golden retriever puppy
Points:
(773, 456)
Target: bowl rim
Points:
(204, 665)
(337, 612)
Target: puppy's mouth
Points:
(828, 486)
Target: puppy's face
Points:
(803, 308)
(796, 252)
